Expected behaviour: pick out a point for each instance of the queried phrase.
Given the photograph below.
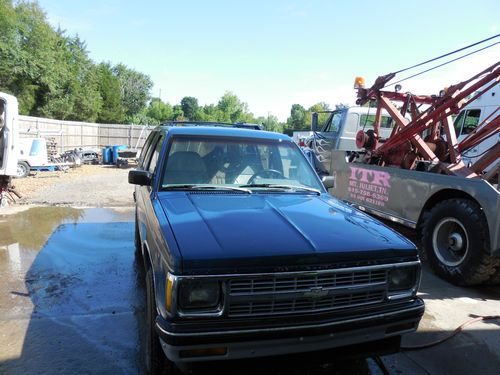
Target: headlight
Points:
(402, 279)
(199, 295)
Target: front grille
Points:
(305, 293)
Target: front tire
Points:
(456, 242)
(156, 362)
(23, 169)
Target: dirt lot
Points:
(86, 186)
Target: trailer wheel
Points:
(23, 169)
(456, 242)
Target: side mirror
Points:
(328, 182)
(139, 177)
(314, 122)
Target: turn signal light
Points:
(359, 83)
(168, 294)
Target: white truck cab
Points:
(8, 136)
(474, 115)
(339, 131)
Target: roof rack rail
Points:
(242, 125)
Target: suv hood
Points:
(236, 232)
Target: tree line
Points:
(52, 75)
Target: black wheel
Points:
(456, 242)
(23, 169)
(495, 278)
(156, 362)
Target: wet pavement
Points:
(70, 298)
(72, 301)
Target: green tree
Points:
(231, 108)
(159, 110)
(83, 84)
(297, 119)
(271, 123)
(209, 112)
(190, 107)
(322, 117)
(135, 89)
(10, 52)
(177, 113)
(109, 87)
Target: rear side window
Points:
(155, 155)
(145, 149)
(467, 121)
(367, 121)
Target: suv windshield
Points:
(222, 162)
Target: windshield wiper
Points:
(282, 186)
(205, 187)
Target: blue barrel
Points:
(114, 156)
(106, 155)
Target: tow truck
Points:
(433, 173)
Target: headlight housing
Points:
(199, 295)
(402, 279)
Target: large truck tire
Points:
(456, 242)
(495, 278)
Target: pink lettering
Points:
(379, 178)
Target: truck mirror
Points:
(139, 177)
(314, 122)
(328, 182)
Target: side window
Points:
(155, 155)
(145, 149)
(471, 121)
(367, 121)
(334, 124)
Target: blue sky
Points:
(273, 54)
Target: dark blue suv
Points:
(247, 255)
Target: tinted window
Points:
(155, 155)
(145, 149)
(236, 162)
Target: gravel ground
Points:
(86, 186)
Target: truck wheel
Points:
(495, 278)
(23, 169)
(456, 242)
(156, 362)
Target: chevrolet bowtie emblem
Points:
(315, 293)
